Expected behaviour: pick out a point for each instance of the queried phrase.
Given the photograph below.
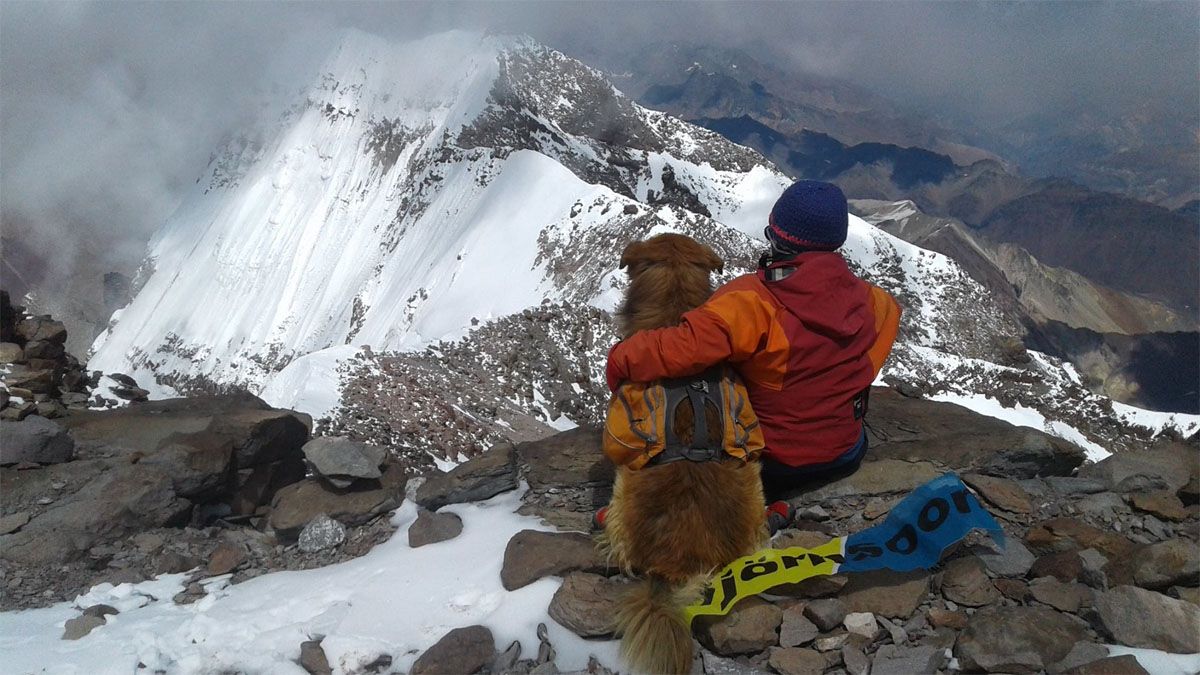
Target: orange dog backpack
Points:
(639, 430)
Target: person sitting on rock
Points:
(806, 335)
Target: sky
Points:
(109, 111)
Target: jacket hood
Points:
(821, 292)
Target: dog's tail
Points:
(655, 636)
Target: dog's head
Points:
(669, 249)
(668, 276)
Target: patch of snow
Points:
(311, 384)
(1022, 416)
(1159, 662)
(364, 607)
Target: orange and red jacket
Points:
(806, 345)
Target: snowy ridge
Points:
(408, 200)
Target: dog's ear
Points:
(634, 252)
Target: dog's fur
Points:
(676, 523)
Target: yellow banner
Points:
(762, 571)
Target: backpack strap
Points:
(699, 390)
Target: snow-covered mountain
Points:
(420, 198)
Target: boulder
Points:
(1065, 597)
(1081, 653)
(1065, 534)
(966, 582)
(462, 650)
(11, 352)
(900, 660)
(43, 349)
(1001, 492)
(958, 438)
(297, 504)
(895, 595)
(313, 659)
(586, 604)
(225, 559)
(569, 458)
(1161, 503)
(198, 463)
(1010, 559)
(1170, 466)
(478, 478)
(1062, 565)
(341, 460)
(532, 555)
(1175, 562)
(939, 617)
(882, 476)
(432, 527)
(321, 533)
(81, 625)
(44, 328)
(750, 627)
(796, 630)
(825, 613)
(34, 439)
(1016, 639)
(1136, 617)
(121, 500)
(1126, 664)
(38, 381)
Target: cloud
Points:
(108, 111)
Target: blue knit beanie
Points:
(809, 216)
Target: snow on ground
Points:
(1158, 421)
(1021, 416)
(1158, 662)
(311, 384)
(395, 600)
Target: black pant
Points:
(781, 481)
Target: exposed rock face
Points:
(34, 439)
(1140, 618)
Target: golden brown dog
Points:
(676, 523)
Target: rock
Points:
(1113, 665)
(831, 642)
(877, 507)
(899, 660)
(882, 476)
(1000, 491)
(1190, 494)
(118, 500)
(825, 613)
(1169, 563)
(1016, 639)
(959, 439)
(1011, 559)
(42, 328)
(586, 604)
(198, 463)
(297, 504)
(81, 626)
(566, 459)
(39, 381)
(898, 634)
(855, 660)
(795, 629)
(225, 559)
(1063, 565)
(432, 527)
(799, 538)
(749, 627)
(1065, 534)
(341, 460)
(35, 439)
(1071, 485)
(792, 661)
(13, 522)
(1065, 597)
(715, 665)
(43, 349)
(1081, 653)
(50, 409)
(895, 595)
(814, 587)
(11, 352)
(939, 617)
(1092, 568)
(1161, 503)
(462, 650)
(1136, 617)
(811, 512)
(532, 555)
(321, 533)
(313, 659)
(1013, 589)
(1191, 595)
(173, 562)
(862, 623)
(100, 610)
(476, 479)
(966, 582)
